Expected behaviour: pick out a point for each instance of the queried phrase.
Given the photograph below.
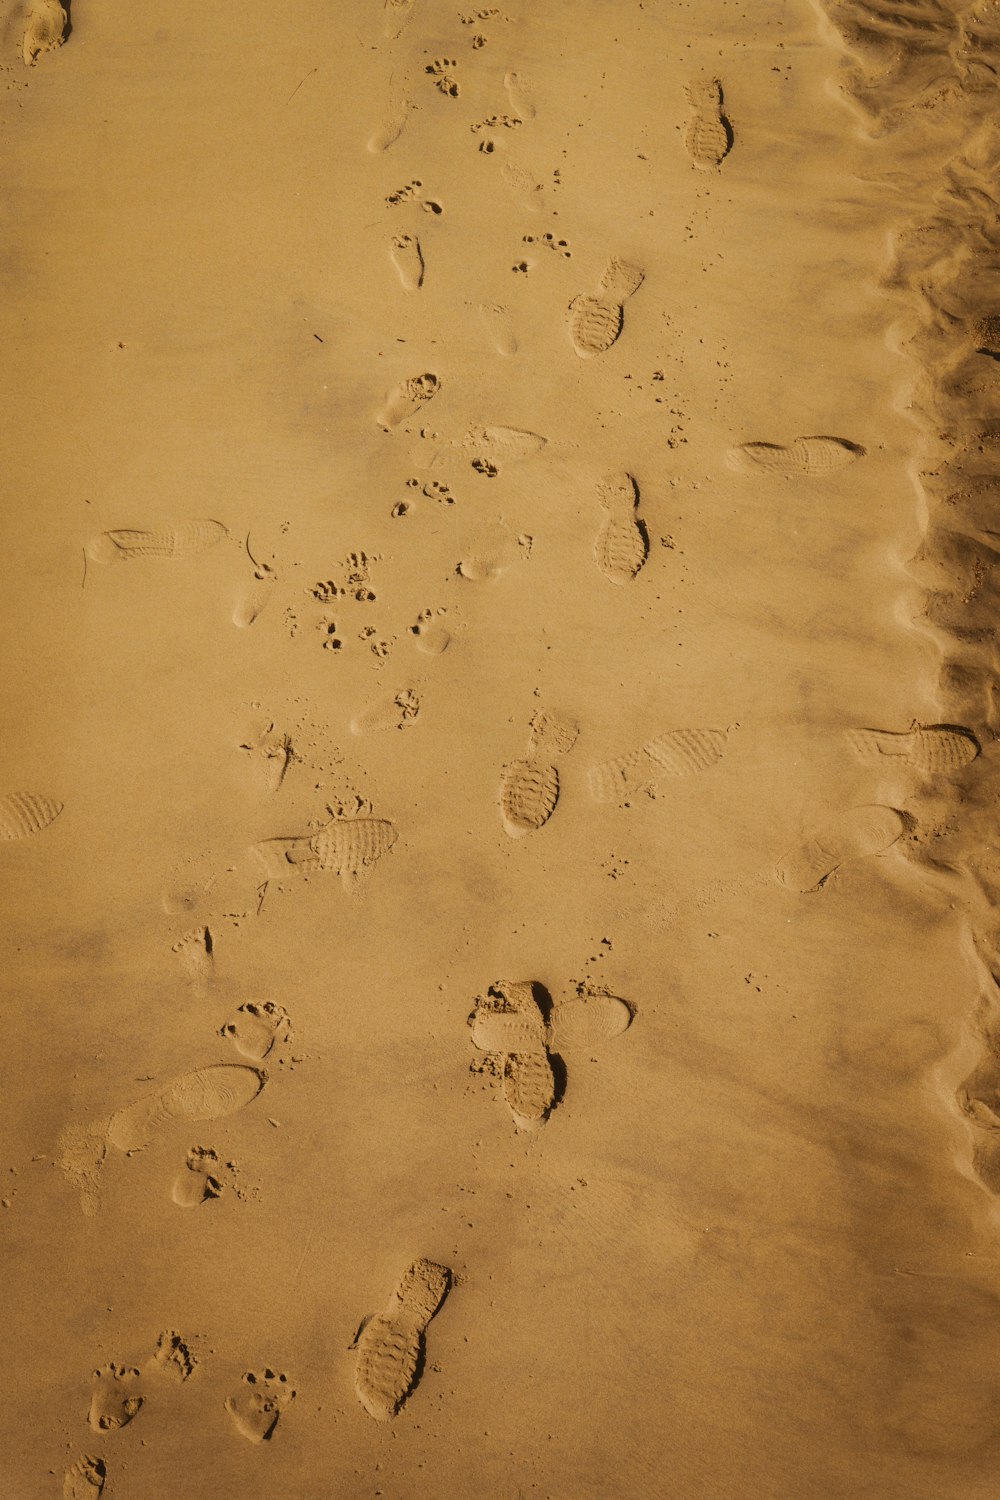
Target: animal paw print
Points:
(549, 242)
(257, 1410)
(325, 591)
(483, 466)
(440, 71)
(331, 641)
(522, 267)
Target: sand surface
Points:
(498, 828)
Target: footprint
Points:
(348, 846)
(173, 1357)
(528, 189)
(23, 814)
(810, 456)
(529, 791)
(257, 1410)
(931, 748)
(185, 540)
(509, 1012)
(408, 259)
(595, 322)
(82, 1150)
(44, 29)
(391, 711)
(407, 398)
(391, 127)
(499, 325)
(116, 1398)
(271, 754)
(200, 1179)
(679, 752)
(195, 950)
(854, 834)
(432, 638)
(484, 445)
(85, 1479)
(529, 788)
(621, 546)
(588, 1018)
(520, 94)
(397, 14)
(252, 603)
(709, 135)
(256, 1027)
(207, 1094)
(390, 1344)
(495, 550)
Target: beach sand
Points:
(498, 822)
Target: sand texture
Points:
(498, 830)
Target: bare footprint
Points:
(930, 748)
(23, 814)
(408, 259)
(520, 94)
(200, 1180)
(257, 1410)
(856, 833)
(812, 457)
(390, 128)
(391, 1343)
(525, 186)
(432, 637)
(271, 754)
(709, 135)
(256, 1027)
(390, 711)
(195, 952)
(407, 398)
(172, 1357)
(184, 540)
(85, 1479)
(499, 325)
(44, 29)
(252, 602)
(116, 1398)
(621, 545)
(209, 1093)
(595, 321)
(397, 14)
(679, 752)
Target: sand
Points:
(498, 829)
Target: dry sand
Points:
(499, 959)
